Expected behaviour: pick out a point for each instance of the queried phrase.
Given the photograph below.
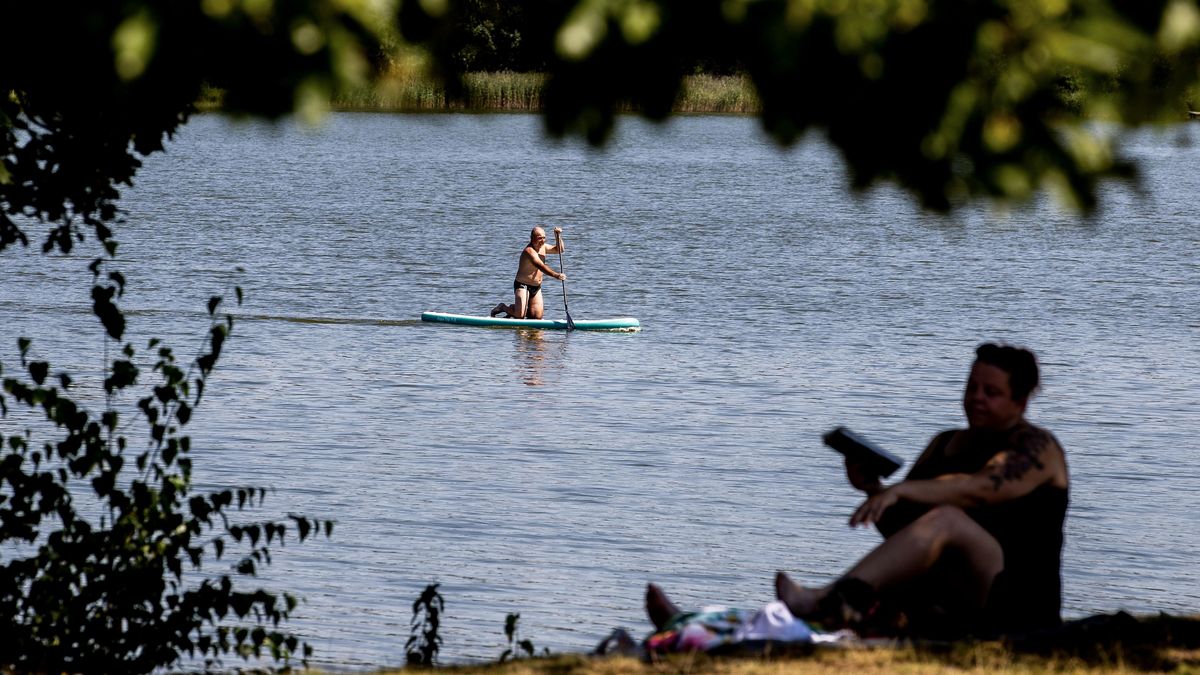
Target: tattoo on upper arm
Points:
(1024, 455)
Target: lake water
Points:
(555, 474)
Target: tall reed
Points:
(717, 94)
(508, 91)
(410, 90)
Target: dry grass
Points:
(1100, 645)
(1156, 645)
(960, 659)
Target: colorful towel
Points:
(714, 627)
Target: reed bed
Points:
(502, 91)
(718, 94)
(211, 99)
(507, 91)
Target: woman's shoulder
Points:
(932, 459)
(945, 435)
(1029, 437)
(947, 441)
(1037, 446)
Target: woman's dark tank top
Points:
(1028, 593)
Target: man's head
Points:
(998, 389)
(536, 236)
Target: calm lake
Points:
(553, 474)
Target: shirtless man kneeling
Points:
(528, 285)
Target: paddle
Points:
(563, 269)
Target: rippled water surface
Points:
(553, 474)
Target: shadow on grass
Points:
(1150, 643)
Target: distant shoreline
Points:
(410, 90)
(507, 91)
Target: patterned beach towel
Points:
(715, 627)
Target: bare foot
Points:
(498, 309)
(801, 602)
(658, 607)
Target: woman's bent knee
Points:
(944, 515)
(949, 520)
(956, 529)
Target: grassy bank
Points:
(979, 658)
(405, 90)
(1117, 643)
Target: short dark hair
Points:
(1020, 364)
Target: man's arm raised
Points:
(558, 246)
(536, 260)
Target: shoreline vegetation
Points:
(1179, 653)
(1103, 644)
(411, 89)
(507, 91)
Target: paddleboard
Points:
(625, 323)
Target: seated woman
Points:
(975, 530)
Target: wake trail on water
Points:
(294, 319)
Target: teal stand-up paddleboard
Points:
(626, 323)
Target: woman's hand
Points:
(872, 510)
(862, 480)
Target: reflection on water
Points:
(536, 353)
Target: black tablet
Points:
(873, 459)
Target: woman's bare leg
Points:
(800, 601)
(914, 550)
(909, 553)
(659, 608)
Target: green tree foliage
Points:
(490, 35)
(950, 99)
(497, 35)
(102, 540)
(87, 90)
(95, 547)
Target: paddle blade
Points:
(570, 321)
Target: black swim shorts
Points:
(533, 290)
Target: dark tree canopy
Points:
(951, 99)
(492, 35)
(87, 89)
(495, 35)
